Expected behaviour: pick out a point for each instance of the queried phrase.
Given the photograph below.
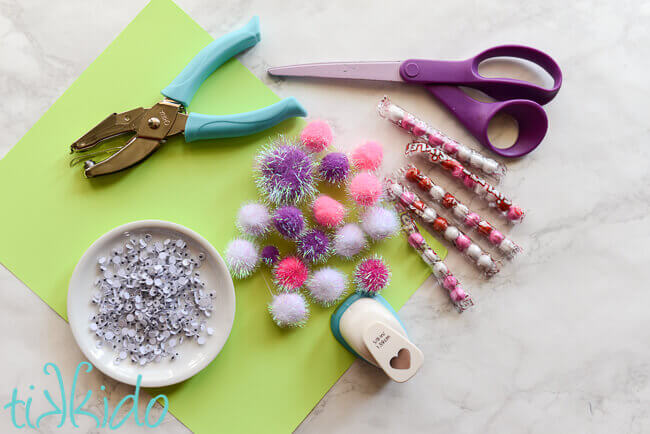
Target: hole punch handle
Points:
(185, 85)
(200, 126)
(476, 116)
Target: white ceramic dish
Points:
(194, 357)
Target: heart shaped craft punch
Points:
(402, 360)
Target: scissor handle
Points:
(465, 73)
(476, 116)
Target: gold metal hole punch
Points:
(152, 126)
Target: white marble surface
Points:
(559, 341)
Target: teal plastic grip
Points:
(185, 85)
(199, 127)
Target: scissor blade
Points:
(383, 71)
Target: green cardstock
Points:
(266, 379)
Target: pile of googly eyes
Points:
(316, 226)
(150, 299)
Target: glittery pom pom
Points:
(285, 174)
(289, 309)
(289, 222)
(334, 167)
(328, 212)
(290, 273)
(365, 188)
(327, 286)
(379, 222)
(316, 136)
(254, 219)
(270, 255)
(368, 156)
(349, 241)
(242, 258)
(371, 275)
(314, 246)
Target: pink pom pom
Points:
(365, 189)
(290, 273)
(515, 213)
(368, 156)
(316, 136)
(328, 212)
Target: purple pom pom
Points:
(286, 174)
(270, 255)
(288, 220)
(314, 246)
(334, 167)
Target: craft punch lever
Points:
(369, 328)
(152, 126)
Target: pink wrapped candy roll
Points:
(461, 298)
(462, 243)
(461, 213)
(437, 139)
(480, 187)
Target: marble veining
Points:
(559, 339)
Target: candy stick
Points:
(459, 240)
(437, 139)
(460, 212)
(461, 298)
(480, 187)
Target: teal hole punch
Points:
(368, 327)
(167, 118)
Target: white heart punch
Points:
(197, 351)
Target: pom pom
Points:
(254, 219)
(242, 258)
(314, 246)
(379, 222)
(327, 286)
(316, 136)
(328, 212)
(289, 222)
(270, 255)
(349, 241)
(371, 275)
(285, 174)
(289, 309)
(368, 156)
(290, 273)
(334, 167)
(365, 188)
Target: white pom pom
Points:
(460, 211)
(327, 285)
(484, 261)
(242, 258)
(254, 219)
(451, 233)
(289, 309)
(463, 153)
(379, 222)
(349, 241)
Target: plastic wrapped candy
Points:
(437, 139)
(480, 187)
(413, 204)
(460, 297)
(460, 212)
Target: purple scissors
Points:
(520, 99)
